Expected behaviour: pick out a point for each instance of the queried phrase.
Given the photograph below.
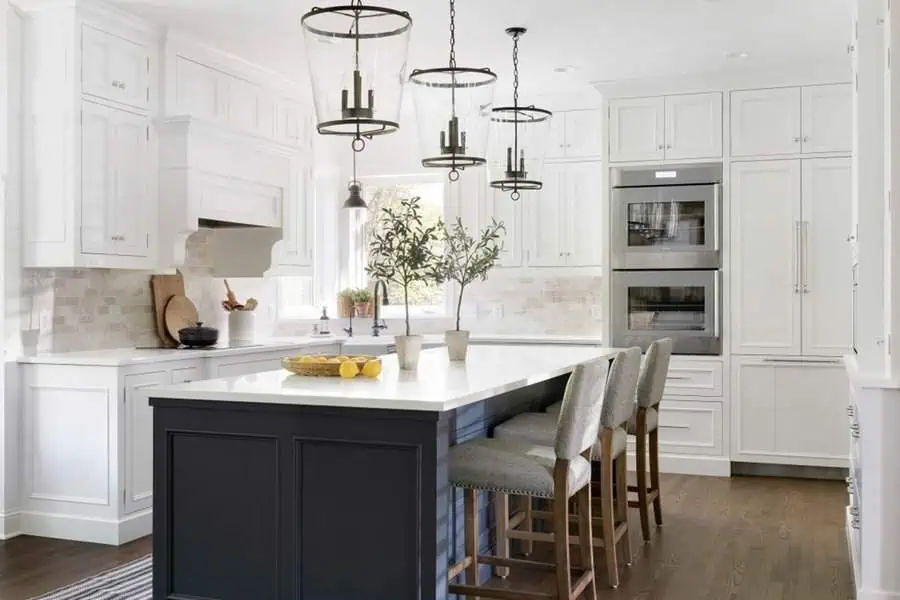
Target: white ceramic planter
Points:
(408, 349)
(241, 327)
(457, 344)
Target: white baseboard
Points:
(86, 529)
(865, 594)
(10, 525)
(691, 464)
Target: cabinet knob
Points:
(660, 147)
(851, 238)
(796, 140)
(805, 138)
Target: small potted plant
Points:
(404, 251)
(465, 260)
(345, 303)
(362, 300)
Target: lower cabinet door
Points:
(139, 438)
(689, 427)
(790, 411)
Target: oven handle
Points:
(717, 233)
(717, 289)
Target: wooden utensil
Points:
(231, 299)
(163, 288)
(251, 304)
(180, 313)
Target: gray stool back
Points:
(652, 382)
(579, 418)
(621, 386)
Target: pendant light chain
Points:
(516, 70)
(515, 192)
(452, 34)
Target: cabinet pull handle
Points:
(805, 139)
(803, 361)
(797, 257)
(796, 140)
(677, 377)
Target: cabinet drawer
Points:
(247, 367)
(694, 378)
(689, 427)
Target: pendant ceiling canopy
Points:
(357, 62)
(519, 138)
(452, 106)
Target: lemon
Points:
(343, 358)
(321, 359)
(360, 358)
(333, 360)
(306, 358)
(348, 370)
(372, 368)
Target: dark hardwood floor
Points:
(724, 539)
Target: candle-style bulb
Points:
(509, 163)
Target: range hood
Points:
(212, 177)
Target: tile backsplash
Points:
(70, 310)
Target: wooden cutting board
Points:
(180, 313)
(164, 287)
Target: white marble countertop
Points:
(494, 338)
(438, 384)
(125, 356)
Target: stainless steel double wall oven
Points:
(667, 256)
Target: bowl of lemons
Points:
(333, 365)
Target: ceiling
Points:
(604, 40)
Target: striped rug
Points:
(131, 581)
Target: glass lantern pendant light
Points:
(357, 65)
(355, 199)
(521, 131)
(458, 98)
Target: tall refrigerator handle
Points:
(805, 234)
(797, 251)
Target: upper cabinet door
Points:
(828, 118)
(637, 129)
(546, 215)
(585, 225)
(556, 144)
(584, 133)
(694, 126)
(827, 280)
(131, 198)
(98, 125)
(115, 68)
(765, 257)
(200, 91)
(765, 122)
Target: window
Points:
(424, 299)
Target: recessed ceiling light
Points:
(736, 55)
(565, 69)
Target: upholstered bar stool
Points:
(559, 471)
(608, 449)
(644, 425)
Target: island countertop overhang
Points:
(438, 385)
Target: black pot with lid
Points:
(198, 336)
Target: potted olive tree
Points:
(404, 251)
(467, 259)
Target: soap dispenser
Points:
(324, 328)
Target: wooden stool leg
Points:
(654, 476)
(561, 544)
(622, 504)
(528, 545)
(501, 514)
(471, 534)
(608, 512)
(644, 508)
(583, 500)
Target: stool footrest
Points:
(515, 562)
(475, 591)
(459, 567)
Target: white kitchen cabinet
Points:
(765, 255)
(199, 90)
(565, 219)
(89, 172)
(790, 263)
(114, 195)
(298, 218)
(782, 121)
(637, 129)
(498, 205)
(827, 266)
(576, 134)
(138, 490)
(694, 126)
(687, 126)
(765, 122)
(115, 68)
(827, 118)
(790, 411)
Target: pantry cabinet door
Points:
(584, 133)
(637, 129)
(585, 228)
(765, 122)
(694, 126)
(827, 277)
(828, 118)
(545, 217)
(765, 257)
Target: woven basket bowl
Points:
(295, 365)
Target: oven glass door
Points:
(684, 305)
(667, 227)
